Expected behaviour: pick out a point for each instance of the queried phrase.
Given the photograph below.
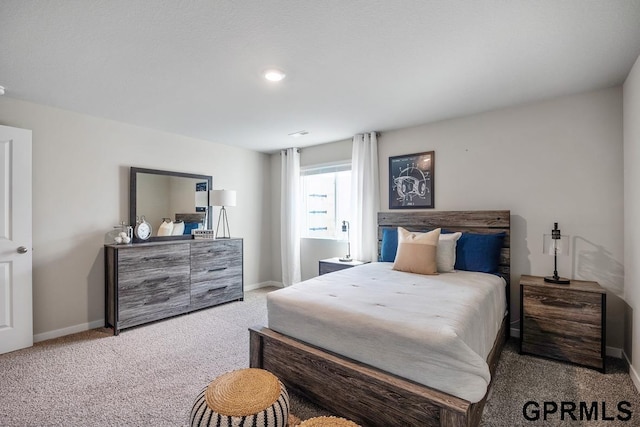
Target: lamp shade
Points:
(555, 243)
(555, 246)
(223, 197)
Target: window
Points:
(326, 200)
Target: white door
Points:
(16, 309)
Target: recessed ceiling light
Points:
(274, 75)
(299, 133)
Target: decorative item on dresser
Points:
(223, 198)
(334, 264)
(563, 322)
(152, 281)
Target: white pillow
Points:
(446, 255)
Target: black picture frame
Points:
(411, 181)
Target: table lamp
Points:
(345, 228)
(223, 198)
(556, 244)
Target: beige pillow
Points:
(417, 252)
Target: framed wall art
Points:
(411, 181)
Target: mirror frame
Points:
(133, 198)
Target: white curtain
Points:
(289, 218)
(365, 197)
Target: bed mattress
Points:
(434, 330)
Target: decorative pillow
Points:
(389, 244)
(188, 226)
(417, 252)
(446, 257)
(479, 252)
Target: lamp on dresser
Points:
(223, 198)
(556, 244)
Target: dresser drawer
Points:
(206, 294)
(208, 273)
(219, 260)
(151, 296)
(576, 342)
(132, 282)
(222, 251)
(158, 257)
(560, 304)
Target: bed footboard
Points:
(364, 394)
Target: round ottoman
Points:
(327, 422)
(246, 397)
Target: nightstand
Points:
(563, 322)
(334, 264)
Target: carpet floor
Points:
(150, 375)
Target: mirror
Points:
(158, 195)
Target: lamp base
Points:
(346, 258)
(558, 280)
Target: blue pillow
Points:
(188, 226)
(389, 244)
(479, 252)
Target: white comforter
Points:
(435, 330)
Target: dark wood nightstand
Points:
(334, 264)
(563, 322)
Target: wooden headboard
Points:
(471, 221)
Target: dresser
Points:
(146, 282)
(563, 322)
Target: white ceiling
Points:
(194, 67)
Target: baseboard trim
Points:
(266, 284)
(635, 379)
(67, 331)
(614, 352)
(44, 336)
(609, 351)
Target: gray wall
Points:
(557, 160)
(631, 215)
(81, 189)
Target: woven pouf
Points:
(327, 422)
(247, 397)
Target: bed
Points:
(351, 380)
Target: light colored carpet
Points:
(150, 375)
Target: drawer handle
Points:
(158, 279)
(562, 304)
(157, 300)
(217, 269)
(216, 289)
